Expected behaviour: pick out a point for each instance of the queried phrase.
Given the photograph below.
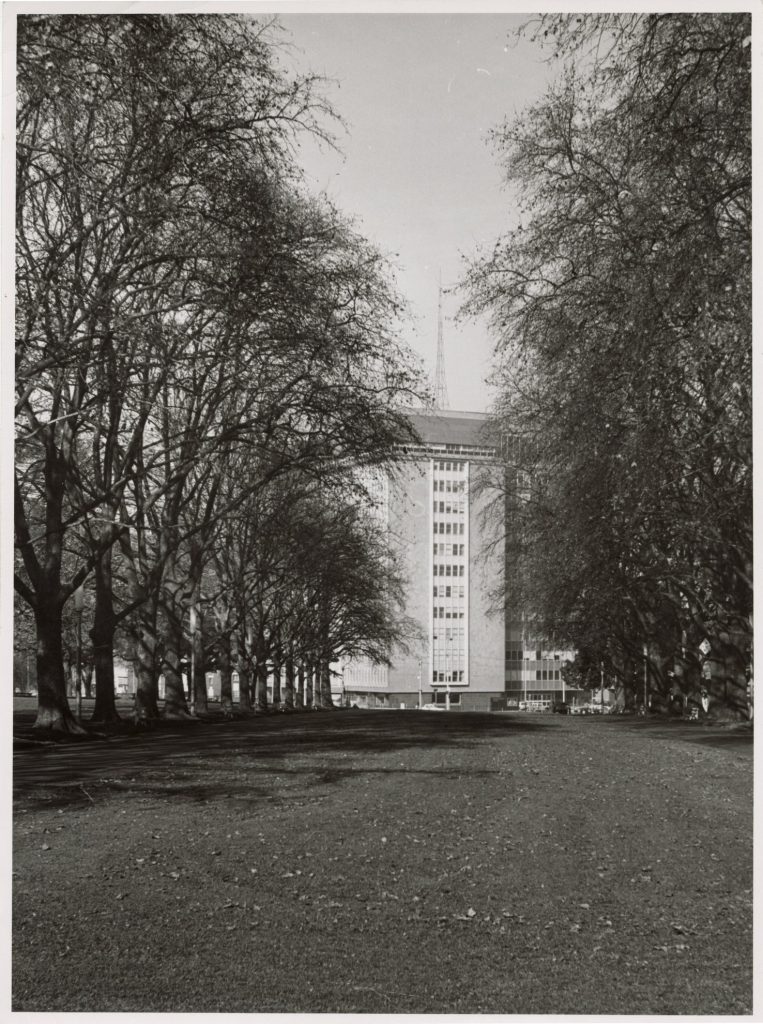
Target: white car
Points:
(432, 707)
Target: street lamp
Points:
(79, 604)
(419, 684)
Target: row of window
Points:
(450, 633)
(438, 612)
(447, 570)
(447, 677)
(443, 591)
(445, 549)
(518, 654)
(448, 486)
(449, 467)
(448, 528)
(447, 508)
(541, 675)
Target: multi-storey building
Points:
(433, 511)
(468, 656)
(533, 673)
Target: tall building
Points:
(433, 511)
(468, 655)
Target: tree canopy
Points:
(188, 315)
(621, 305)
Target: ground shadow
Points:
(738, 737)
(56, 773)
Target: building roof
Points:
(443, 426)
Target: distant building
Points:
(433, 516)
(454, 561)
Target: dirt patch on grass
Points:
(372, 862)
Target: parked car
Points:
(561, 707)
(432, 707)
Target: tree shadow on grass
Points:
(301, 782)
(62, 774)
(739, 738)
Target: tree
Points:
(122, 122)
(621, 304)
(182, 303)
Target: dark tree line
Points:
(204, 353)
(621, 304)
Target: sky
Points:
(419, 94)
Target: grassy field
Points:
(387, 862)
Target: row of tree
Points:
(205, 355)
(621, 302)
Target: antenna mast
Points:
(440, 383)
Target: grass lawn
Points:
(387, 862)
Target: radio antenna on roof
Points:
(440, 382)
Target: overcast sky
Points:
(420, 93)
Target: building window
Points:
(441, 697)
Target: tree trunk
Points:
(326, 700)
(199, 681)
(144, 663)
(70, 673)
(309, 691)
(87, 680)
(226, 672)
(53, 711)
(261, 688)
(288, 690)
(175, 704)
(300, 694)
(242, 668)
(317, 695)
(102, 636)
(277, 682)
